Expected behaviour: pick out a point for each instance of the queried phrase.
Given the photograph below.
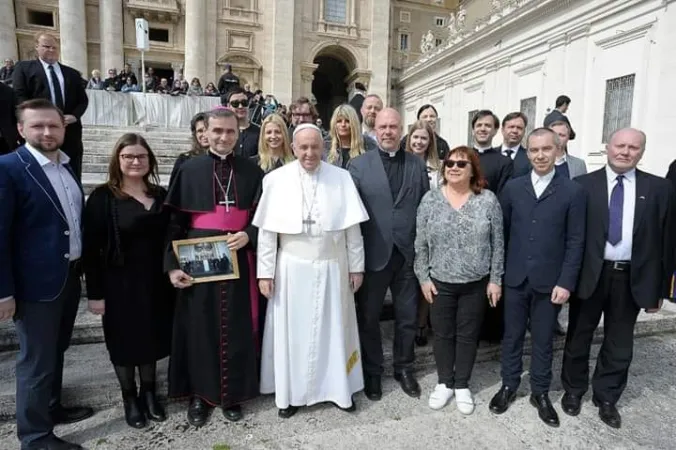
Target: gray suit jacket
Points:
(576, 166)
(391, 221)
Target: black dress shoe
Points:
(133, 411)
(233, 413)
(198, 412)
(373, 388)
(61, 415)
(152, 407)
(287, 413)
(608, 413)
(408, 384)
(421, 337)
(55, 443)
(501, 401)
(571, 404)
(546, 410)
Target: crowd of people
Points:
(473, 242)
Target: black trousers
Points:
(613, 299)
(398, 276)
(456, 315)
(521, 305)
(72, 146)
(44, 330)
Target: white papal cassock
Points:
(311, 343)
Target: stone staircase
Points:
(98, 143)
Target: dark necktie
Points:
(56, 87)
(509, 152)
(615, 212)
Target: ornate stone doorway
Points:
(334, 64)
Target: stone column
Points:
(8, 48)
(379, 50)
(110, 23)
(195, 39)
(281, 76)
(73, 35)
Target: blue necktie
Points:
(615, 212)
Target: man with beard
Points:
(215, 344)
(247, 144)
(40, 248)
(370, 108)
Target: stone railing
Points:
(155, 10)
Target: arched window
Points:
(335, 11)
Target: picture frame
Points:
(207, 259)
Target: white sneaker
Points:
(464, 401)
(440, 396)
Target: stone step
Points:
(89, 377)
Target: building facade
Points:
(284, 47)
(614, 59)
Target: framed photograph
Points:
(207, 259)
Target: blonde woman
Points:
(420, 142)
(346, 141)
(274, 149)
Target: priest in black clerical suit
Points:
(496, 168)
(33, 79)
(216, 329)
(9, 135)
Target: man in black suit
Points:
(358, 99)
(671, 173)
(62, 85)
(9, 135)
(544, 229)
(391, 183)
(559, 114)
(513, 128)
(628, 261)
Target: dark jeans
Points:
(456, 315)
(613, 299)
(398, 276)
(522, 304)
(44, 330)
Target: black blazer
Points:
(544, 237)
(671, 174)
(652, 251)
(357, 102)
(30, 81)
(10, 135)
(521, 164)
(496, 168)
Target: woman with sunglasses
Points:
(249, 133)
(459, 258)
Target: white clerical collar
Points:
(218, 155)
(482, 149)
(62, 158)
(392, 154)
(535, 178)
(611, 175)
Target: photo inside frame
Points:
(207, 259)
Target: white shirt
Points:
(561, 160)
(514, 150)
(59, 75)
(540, 183)
(622, 251)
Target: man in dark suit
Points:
(559, 114)
(391, 184)
(40, 234)
(513, 128)
(9, 135)
(544, 229)
(62, 85)
(357, 99)
(628, 261)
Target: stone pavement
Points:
(648, 408)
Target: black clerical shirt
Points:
(394, 168)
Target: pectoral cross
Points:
(309, 222)
(227, 202)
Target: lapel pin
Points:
(642, 197)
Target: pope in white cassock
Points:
(310, 263)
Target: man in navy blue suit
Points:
(40, 247)
(544, 218)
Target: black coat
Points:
(10, 135)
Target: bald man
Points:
(310, 264)
(391, 184)
(628, 260)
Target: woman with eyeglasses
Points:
(123, 249)
(459, 258)
(274, 149)
(200, 143)
(420, 141)
(346, 141)
(428, 114)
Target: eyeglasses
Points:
(451, 164)
(238, 103)
(131, 158)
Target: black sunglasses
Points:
(238, 103)
(451, 163)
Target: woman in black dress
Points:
(123, 248)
